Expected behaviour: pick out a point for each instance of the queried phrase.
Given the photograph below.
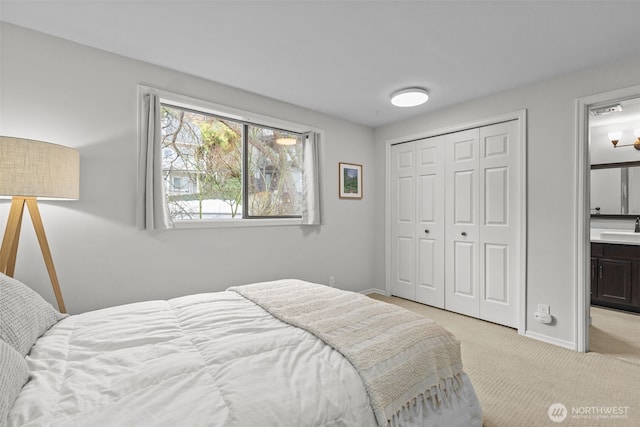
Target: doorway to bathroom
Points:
(608, 201)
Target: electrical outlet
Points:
(542, 317)
(544, 309)
(332, 281)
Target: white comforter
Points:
(203, 360)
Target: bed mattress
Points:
(203, 360)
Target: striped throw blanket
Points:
(400, 355)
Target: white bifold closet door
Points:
(483, 222)
(455, 220)
(403, 221)
(417, 221)
(462, 219)
(430, 222)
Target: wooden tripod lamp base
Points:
(9, 248)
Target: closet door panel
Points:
(430, 222)
(461, 229)
(405, 207)
(427, 265)
(499, 222)
(404, 258)
(463, 195)
(403, 242)
(464, 280)
(496, 196)
(496, 273)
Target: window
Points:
(217, 167)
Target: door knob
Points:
(464, 233)
(426, 230)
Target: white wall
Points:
(551, 151)
(61, 92)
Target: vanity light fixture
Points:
(410, 97)
(614, 137)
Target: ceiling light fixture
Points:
(410, 97)
(614, 108)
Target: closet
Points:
(455, 221)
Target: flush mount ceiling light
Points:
(614, 108)
(410, 97)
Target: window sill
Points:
(237, 223)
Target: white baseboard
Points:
(374, 291)
(549, 340)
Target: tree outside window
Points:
(215, 167)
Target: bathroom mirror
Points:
(615, 190)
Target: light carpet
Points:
(518, 379)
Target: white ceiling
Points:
(345, 58)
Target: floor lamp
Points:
(31, 170)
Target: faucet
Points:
(637, 228)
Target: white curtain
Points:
(153, 212)
(311, 212)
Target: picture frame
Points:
(350, 180)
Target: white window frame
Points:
(183, 101)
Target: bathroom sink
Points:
(623, 236)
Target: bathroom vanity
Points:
(615, 272)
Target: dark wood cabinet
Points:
(615, 276)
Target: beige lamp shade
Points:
(31, 168)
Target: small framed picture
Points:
(350, 181)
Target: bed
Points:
(281, 353)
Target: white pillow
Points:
(24, 315)
(14, 373)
